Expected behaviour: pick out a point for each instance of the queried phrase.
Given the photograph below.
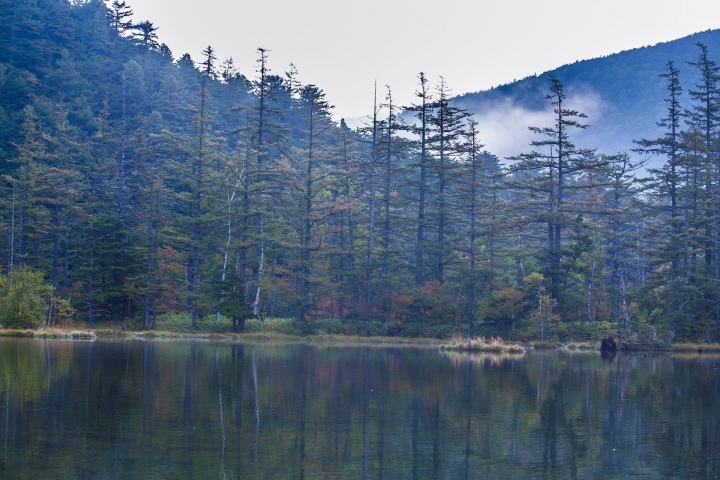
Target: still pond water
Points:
(200, 410)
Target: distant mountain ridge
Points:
(622, 94)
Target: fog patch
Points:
(503, 124)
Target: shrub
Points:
(181, 323)
(547, 345)
(377, 329)
(442, 331)
(24, 299)
(272, 325)
(334, 326)
(62, 311)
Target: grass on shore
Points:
(326, 331)
(268, 336)
(696, 347)
(545, 345)
(576, 346)
(50, 333)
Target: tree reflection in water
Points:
(176, 410)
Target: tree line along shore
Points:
(145, 190)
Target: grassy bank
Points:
(50, 333)
(696, 347)
(268, 337)
(353, 332)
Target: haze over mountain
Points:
(622, 94)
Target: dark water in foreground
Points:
(200, 410)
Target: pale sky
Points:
(344, 47)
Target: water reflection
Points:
(200, 410)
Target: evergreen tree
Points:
(119, 14)
(445, 147)
(551, 171)
(312, 185)
(145, 34)
(705, 116)
(423, 112)
(666, 179)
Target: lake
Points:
(184, 409)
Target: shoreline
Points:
(274, 337)
(335, 339)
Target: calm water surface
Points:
(199, 410)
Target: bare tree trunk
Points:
(273, 280)
(230, 202)
(256, 303)
(121, 159)
(419, 247)
(371, 221)
(91, 313)
(592, 280)
(386, 220)
(196, 211)
(12, 229)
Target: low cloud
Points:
(503, 124)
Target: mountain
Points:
(622, 94)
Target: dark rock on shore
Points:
(608, 345)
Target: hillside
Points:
(621, 93)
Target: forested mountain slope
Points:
(621, 93)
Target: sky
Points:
(345, 47)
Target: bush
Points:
(586, 331)
(377, 329)
(253, 326)
(394, 329)
(24, 299)
(181, 323)
(272, 325)
(334, 326)
(412, 330)
(443, 331)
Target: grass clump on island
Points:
(482, 344)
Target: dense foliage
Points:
(24, 298)
(142, 184)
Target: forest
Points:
(139, 185)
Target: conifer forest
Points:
(139, 184)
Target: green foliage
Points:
(231, 301)
(334, 326)
(506, 308)
(180, 323)
(24, 299)
(272, 325)
(443, 331)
